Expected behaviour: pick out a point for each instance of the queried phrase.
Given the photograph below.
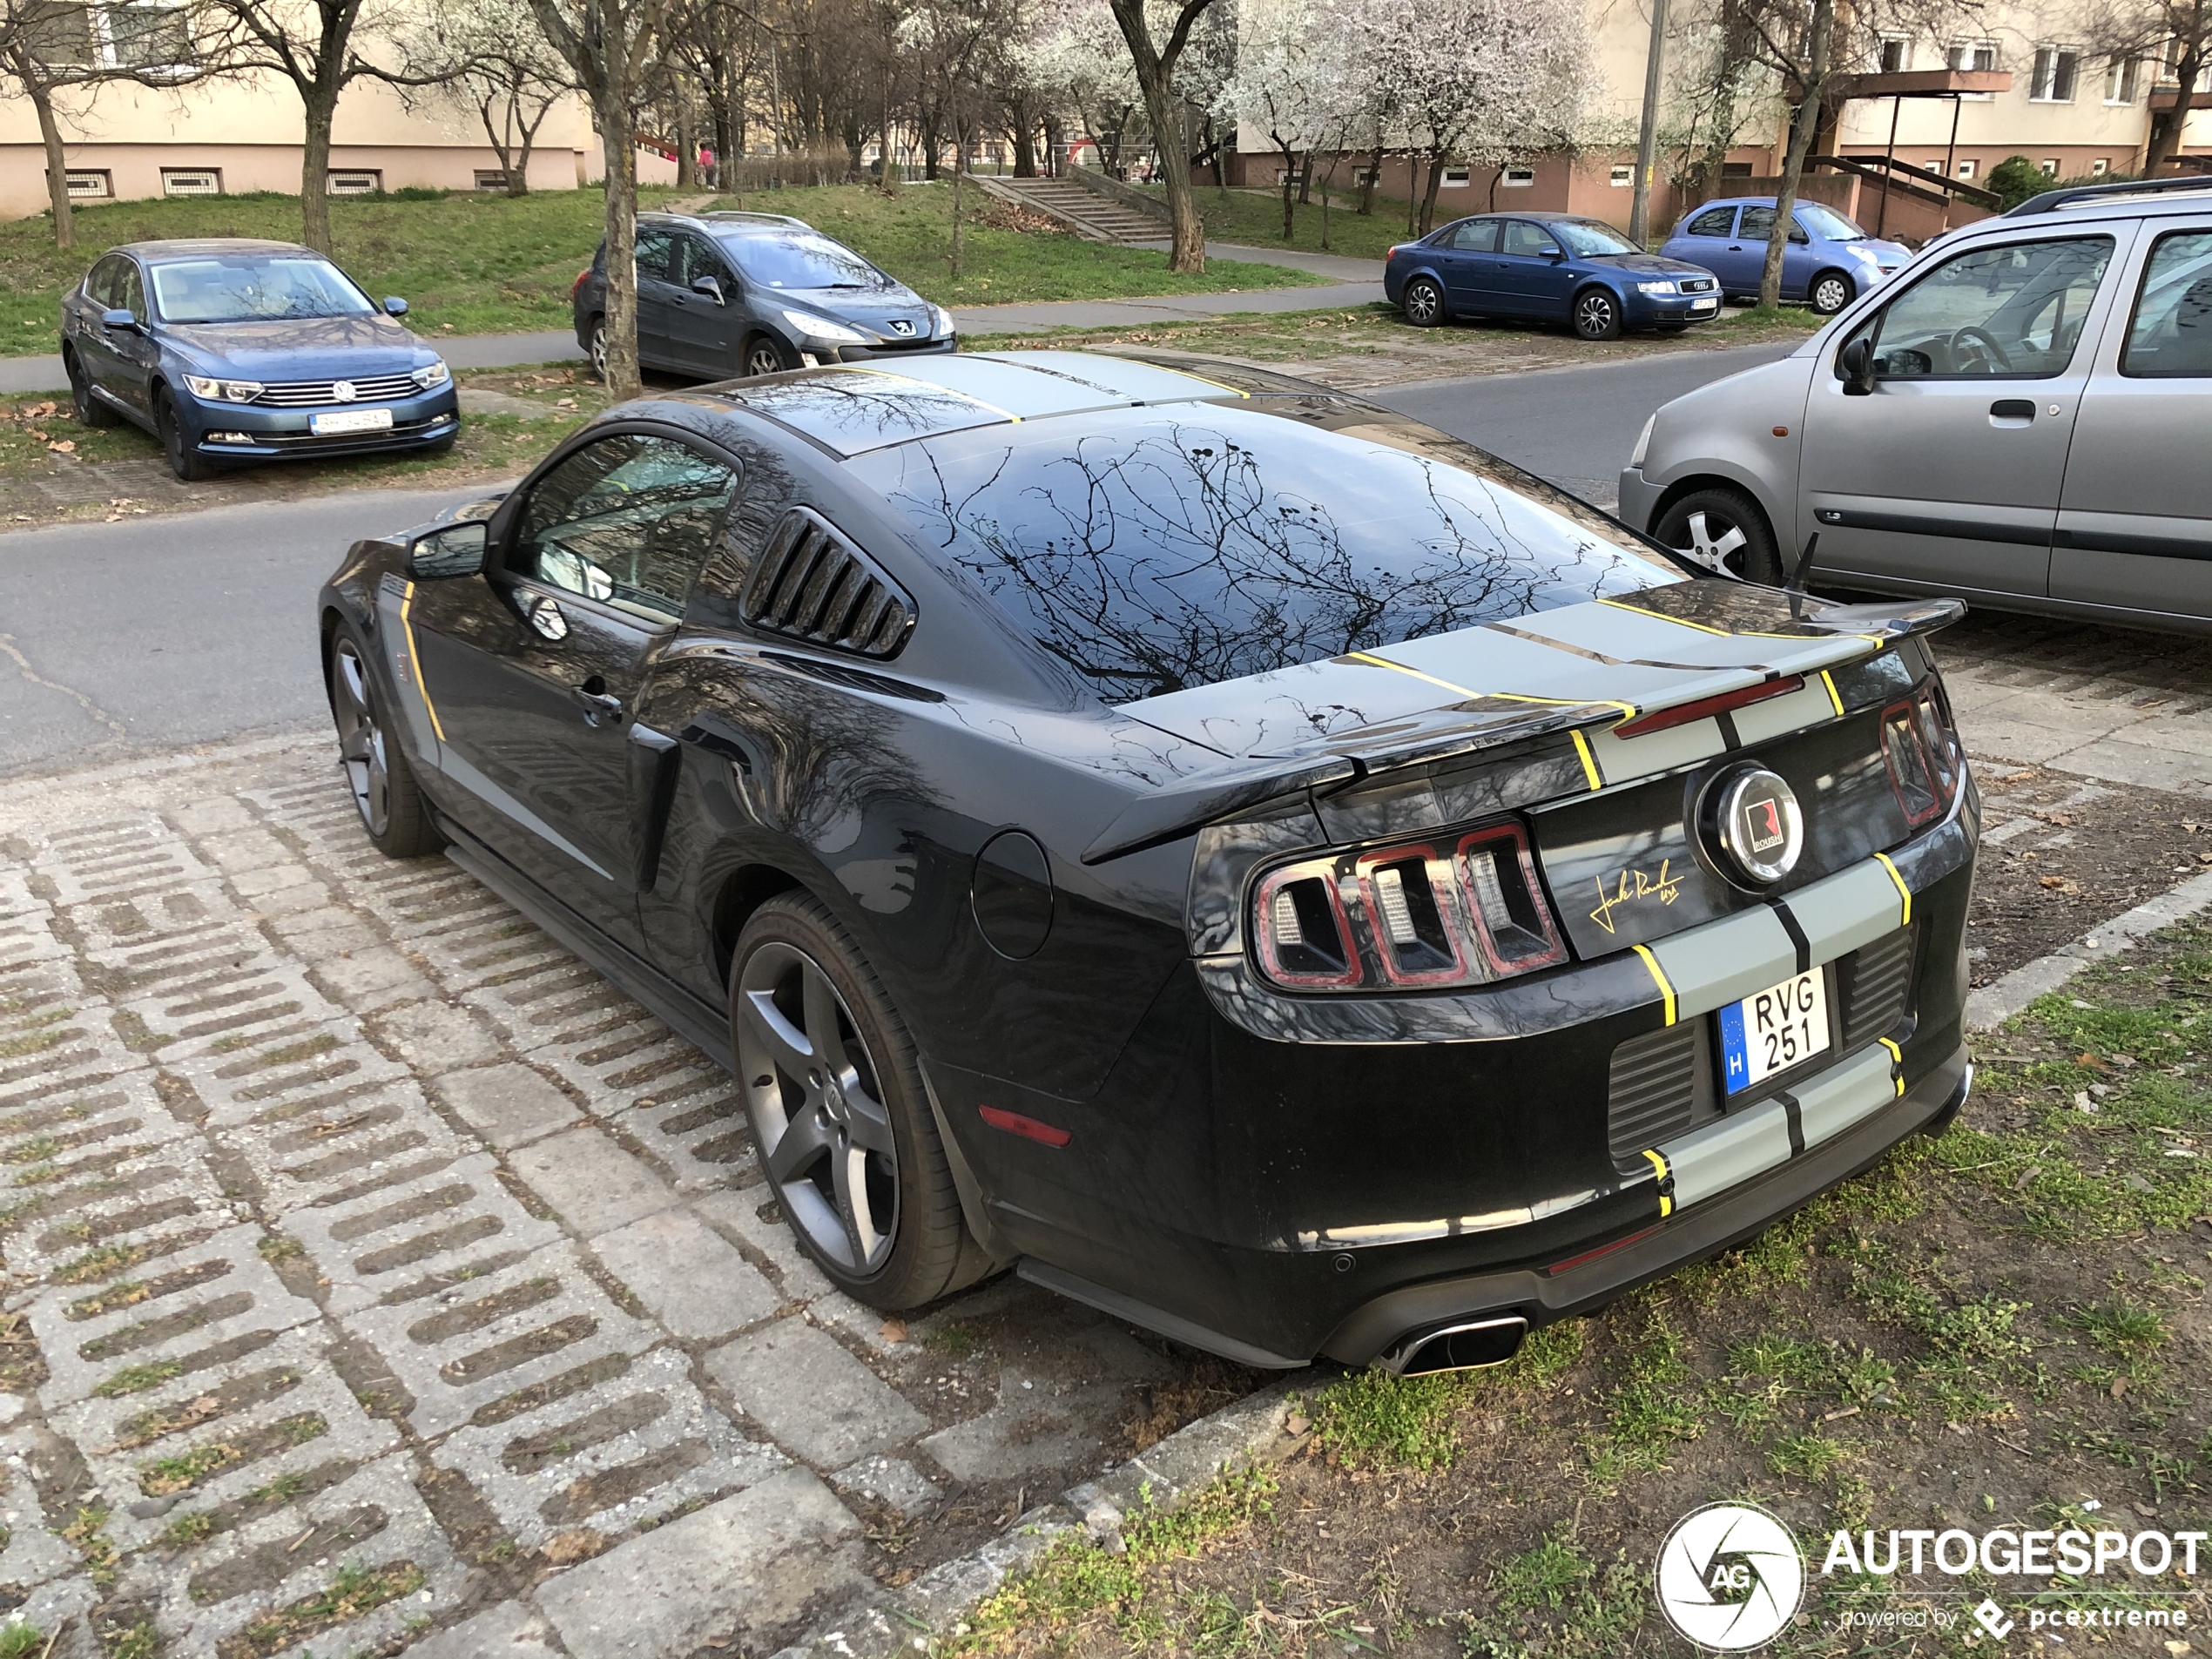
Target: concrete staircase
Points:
(1080, 208)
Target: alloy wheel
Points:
(1594, 315)
(764, 359)
(1424, 304)
(817, 1107)
(1712, 540)
(597, 351)
(361, 741)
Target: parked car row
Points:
(233, 351)
(1561, 268)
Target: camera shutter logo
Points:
(1731, 1577)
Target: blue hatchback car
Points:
(1554, 267)
(1828, 263)
(232, 351)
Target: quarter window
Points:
(1714, 221)
(2171, 336)
(656, 252)
(2014, 312)
(105, 286)
(628, 520)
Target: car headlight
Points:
(436, 374)
(1656, 288)
(223, 391)
(810, 327)
(1643, 441)
(943, 320)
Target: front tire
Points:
(765, 354)
(184, 460)
(89, 410)
(1722, 530)
(1830, 293)
(1423, 303)
(832, 1085)
(394, 815)
(1597, 314)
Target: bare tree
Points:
(613, 45)
(494, 58)
(2175, 34)
(1154, 63)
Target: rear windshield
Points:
(801, 260)
(1165, 549)
(255, 288)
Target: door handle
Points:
(2014, 408)
(599, 707)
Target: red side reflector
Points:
(1028, 1128)
(1706, 707)
(1603, 1249)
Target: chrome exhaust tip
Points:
(1469, 1346)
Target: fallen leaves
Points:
(2059, 883)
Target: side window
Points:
(1476, 236)
(701, 258)
(134, 293)
(1524, 238)
(2009, 312)
(655, 253)
(629, 520)
(1758, 225)
(2172, 331)
(103, 285)
(1714, 221)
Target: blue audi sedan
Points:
(231, 351)
(1546, 267)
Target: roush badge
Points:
(1754, 825)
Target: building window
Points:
(60, 37)
(2050, 166)
(1735, 170)
(1975, 57)
(1519, 178)
(192, 181)
(147, 36)
(1624, 179)
(2101, 166)
(94, 184)
(1966, 169)
(1362, 177)
(2123, 78)
(355, 181)
(2053, 81)
(1894, 56)
(1455, 179)
(490, 178)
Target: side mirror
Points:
(709, 287)
(451, 550)
(117, 317)
(1553, 250)
(394, 307)
(1801, 239)
(1855, 367)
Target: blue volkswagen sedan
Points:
(231, 351)
(1828, 262)
(1550, 267)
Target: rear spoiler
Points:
(1445, 733)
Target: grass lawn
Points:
(484, 264)
(2005, 1327)
(1255, 219)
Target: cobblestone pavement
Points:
(377, 1274)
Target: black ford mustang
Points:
(1255, 864)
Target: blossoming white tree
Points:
(1297, 79)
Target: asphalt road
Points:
(157, 633)
(1573, 425)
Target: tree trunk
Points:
(2166, 138)
(1025, 146)
(621, 322)
(687, 147)
(1793, 166)
(1289, 177)
(1435, 178)
(1374, 179)
(1164, 111)
(49, 131)
(1305, 180)
(320, 98)
(959, 168)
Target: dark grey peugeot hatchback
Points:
(723, 294)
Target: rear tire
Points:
(89, 410)
(1830, 293)
(394, 815)
(595, 346)
(1423, 304)
(832, 1085)
(1722, 528)
(184, 460)
(1597, 314)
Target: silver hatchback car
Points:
(2023, 417)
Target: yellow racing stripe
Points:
(1589, 760)
(1659, 1165)
(1903, 892)
(1896, 1061)
(1834, 697)
(1659, 978)
(1627, 709)
(414, 658)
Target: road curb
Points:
(881, 1623)
(1992, 1005)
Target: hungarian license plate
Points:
(1771, 1031)
(337, 420)
(1709, 303)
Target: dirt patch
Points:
(2061, 855)
(2005, 1327)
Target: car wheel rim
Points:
(816, 1098)
(1421, 303)
(599, 353)
(360, 743)
(764, 360)
(1596, 314)
(1831, 297)
(1715, 542)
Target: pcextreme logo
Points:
(1729, 1577)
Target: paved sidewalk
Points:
(368, 1237)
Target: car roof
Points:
(2139, 198)
(200, 247)
(729, 222)
(853, 408)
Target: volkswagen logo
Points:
(1752, 820)
(344, 391)
(902, 327)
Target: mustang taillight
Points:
(1452, 912)
(1920, 746)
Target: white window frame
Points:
(1519, 176)
(1968, 168)
(2123, 76)
(1904, 44)
(1455, 179)
(1961, 56)
(2050, 166)
(104, 32)
(105, 179)
(1624, 177)
(2101, 166)
(2042, 88)
(170, 175)
(331, 175)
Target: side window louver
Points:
(814, 584)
